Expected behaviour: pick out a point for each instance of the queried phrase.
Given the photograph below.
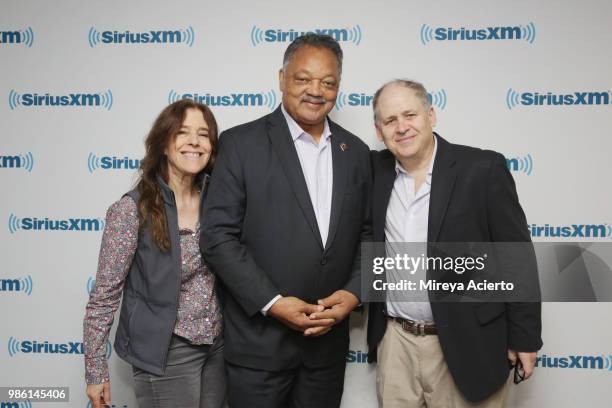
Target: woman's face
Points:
(189, 151)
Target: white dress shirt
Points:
(407, 221)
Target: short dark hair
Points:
(417, 87)
(314, 40)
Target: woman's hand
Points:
(99, 394)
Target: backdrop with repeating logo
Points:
(82, 83)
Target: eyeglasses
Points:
(519, 372)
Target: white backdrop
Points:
(56, 162)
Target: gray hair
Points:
(417, 87)
(314, 40)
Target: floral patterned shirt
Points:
(199, 315)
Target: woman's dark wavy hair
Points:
(151, 210)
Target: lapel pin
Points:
(343, 146)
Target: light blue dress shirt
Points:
(316, 162)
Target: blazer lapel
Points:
(280, 138)
(340, 170)
(442, 183)
(384, 179)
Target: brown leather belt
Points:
(416, 328)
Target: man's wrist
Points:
(268, 306)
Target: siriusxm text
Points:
(71, 224)
(488, 33)
(234, 99)
(339, 34)
(570, 231)
(10, 285)
(10, 37)
(364, 99)
(73, 99)
(29, 346)
(148, 37)
(113, 162)
(576, 98)
(10, 162)
(584, 362)
(356, 356)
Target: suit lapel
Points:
(383, 186)
(280, 138)
(340, 169)
(442, 183)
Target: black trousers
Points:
(299, 387)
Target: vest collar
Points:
(168, 194)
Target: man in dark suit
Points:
(442, 354)
(287, 207)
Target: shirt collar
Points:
(295, 129)
(399, 169)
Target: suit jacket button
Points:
(323, 261)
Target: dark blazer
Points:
(473, 199)
(260, 236)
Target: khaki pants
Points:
(412, 373)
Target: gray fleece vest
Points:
(151, 294)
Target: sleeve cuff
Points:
(96, 371)
(264, 310)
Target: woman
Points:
(170, 322)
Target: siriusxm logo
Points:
(601, 362)
(514, 98)
(520, 32)
(24, 36)
(184, 36)
(44, 347)
(571, 231)
(17, 161)
(349, 34)
(46, 224)
(24, 285)
(102, 100)
(267, 99)
(22, 404)
(91, 283)
(436, 98)
(111, 163)
(520, 164)
(356, 356)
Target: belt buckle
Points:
(418, 329)
(415, 328)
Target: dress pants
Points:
(412, 373)
(300, 387)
